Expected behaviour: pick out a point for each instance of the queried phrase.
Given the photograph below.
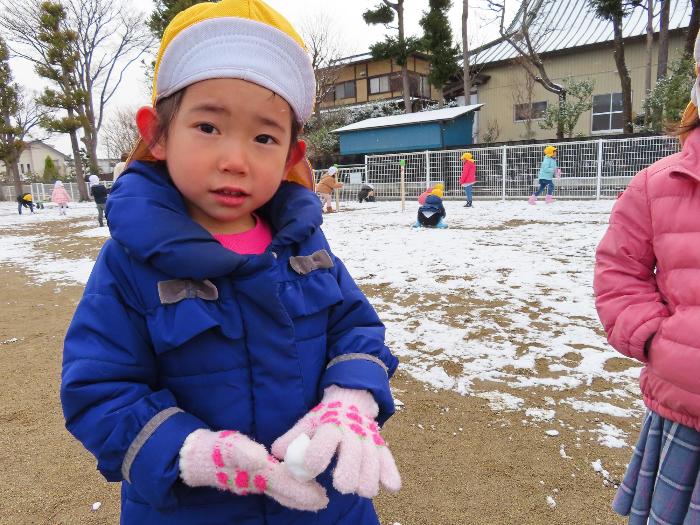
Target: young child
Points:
(548, 170)
(325, 188)
(98, 192)
(438, 186)
(217, 326)
(60, 196)
(468, 177)
(25, 200)
(432, 213)
(647, 290)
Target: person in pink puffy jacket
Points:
(647, 288)
(60, 196)
(468, 178)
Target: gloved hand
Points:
(228, 460)
(345, 421)
(557, 173)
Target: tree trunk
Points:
(649, 53)
(404, 68)
(662, 67)
(560, 122)
(79, 177)
(625, 81)
(465, 54)
(14, 169)
(693, 28)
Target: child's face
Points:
(227, 150)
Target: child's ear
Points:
(296, 153)
(147, 122)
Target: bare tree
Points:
(664, 18)
(465, 53)
(324, 45)
(111, 37)
(523, 35)
(693, 28)
(523, 94)
(119, 132)
(649, 54)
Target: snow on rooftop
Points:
(410, 118)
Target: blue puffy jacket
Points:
(548, 168)
(433, 203)
(140, 375)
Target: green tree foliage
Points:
(165, 11)
(50, 171)
(60, 67)
(579, 99)
(437, 41)
(669, 97)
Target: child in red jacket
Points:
(468, 177)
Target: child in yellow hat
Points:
(222, 357)
(468, 178)
(548, 170)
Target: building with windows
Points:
(360, 79)
(33, 158)
(573, 43)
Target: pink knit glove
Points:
(344, 421)
(228, 460)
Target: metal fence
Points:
(42, 192)
(591, 169)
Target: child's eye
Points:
(206, 128)
(265, 139)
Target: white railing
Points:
(591, 169)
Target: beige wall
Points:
(499, 94)
(361, 72)
(32, 160)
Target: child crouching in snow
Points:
(647, 286)
(432, 213)
(218, 334)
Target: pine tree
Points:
(165, 11)
(397, 48)
(60, 68)
(50, 172)
(10, 147)
(437, 41)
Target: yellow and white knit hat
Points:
(244, 39)
(691, 110)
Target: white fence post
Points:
(599, 174)
(427, 168)
(503, 170)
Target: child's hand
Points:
(228, 460)
(344, 421)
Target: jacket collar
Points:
(148, 217)
(689, 157)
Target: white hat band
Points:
(232, 47)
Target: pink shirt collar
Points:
(252, 242)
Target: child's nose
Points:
(233, 158)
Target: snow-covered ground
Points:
(498, 305)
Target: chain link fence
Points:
(593, 169)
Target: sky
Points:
(344, 15)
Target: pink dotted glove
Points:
(557, 173)
(228, 460)
(344, 421)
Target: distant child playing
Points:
(218, 334)
(60, 197)
(548, 170)
(468, 178)
(326, 186)
(647, 286)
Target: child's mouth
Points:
(230, 196)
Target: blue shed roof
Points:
(410, 118)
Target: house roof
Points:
(49, 147)
(367, 57)
(567, 24)
(410, 118)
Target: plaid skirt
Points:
(662, 482)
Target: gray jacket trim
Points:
(176, 290)
(143, 436)
(303, 264)
(350, 357)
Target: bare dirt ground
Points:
(462, 462)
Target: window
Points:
(379, 85)
(424, 86)
(607, 112)
(527, 111)
(345, 90)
